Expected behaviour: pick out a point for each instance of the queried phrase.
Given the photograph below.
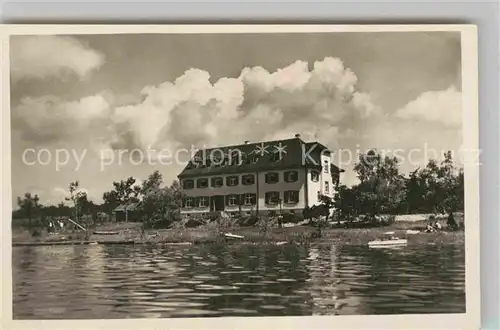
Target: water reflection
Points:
(123, 281)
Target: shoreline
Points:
(130, 234)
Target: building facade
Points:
(258, 178)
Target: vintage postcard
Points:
(240, 176)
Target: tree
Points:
(346, 203)
(160, 203)
(78, 198)
(381, 188)
(29, 205)
(124, 193)
(437, 188)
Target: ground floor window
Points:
(203, 201)
(250, 199)
(272, 197)
(189, 202)
(232, 200)
(291, 196)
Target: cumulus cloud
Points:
(443, 107)
(257, 105)
(48, 56)
(49, 118)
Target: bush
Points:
(292, 217)
(247, 221)
(36, 233)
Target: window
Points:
(248, 179)
(217, 182)
(314, 176)
(188, 184)
(272, 197)
(232, 200)
(327, 187)
(235, 157)
(272, 177)
(250, 199)
(326, 166)
(319, 196)
(202, 183)
(276, 156)
(232, 181)
(203, 202)
(291, 176)
(188, 202)
(216, 160)
(291, 196)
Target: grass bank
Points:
(130, 233)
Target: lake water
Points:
(126, 281)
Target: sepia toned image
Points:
(241, 174)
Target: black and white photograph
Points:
(242, 173)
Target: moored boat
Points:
(395, 241)
(106, 233)
(232, 236)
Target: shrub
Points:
(36, 233)
(292, 217)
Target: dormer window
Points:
(235, 157)
(326, 166)
(276, 156)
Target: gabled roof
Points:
(256, 157)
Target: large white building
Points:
(274, 176)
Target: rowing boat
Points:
(388, 243)
(106, 233)
(232, 236)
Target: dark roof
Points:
(130, 207)
(253, 160)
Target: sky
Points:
(87, 98)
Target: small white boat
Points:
(412, 232)
(395, 241)
(232, 236)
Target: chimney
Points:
(297, 136)
(247, 142)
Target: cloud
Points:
(257, 105)
(50, 119)
(443, 107)
(49, 56)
